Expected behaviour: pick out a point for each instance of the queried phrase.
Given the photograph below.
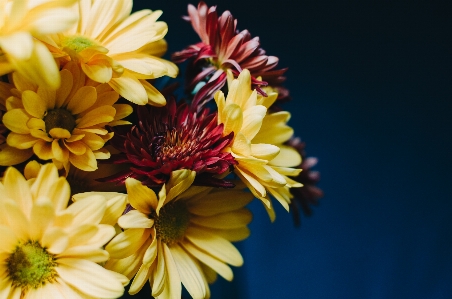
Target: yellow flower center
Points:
(172, 222)
(31, 266)
(59, 118)
(77, 43)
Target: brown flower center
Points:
(31, 266)
(172, 222)
(59, 118)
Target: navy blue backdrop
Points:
(371, 87)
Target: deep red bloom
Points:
(309, 194)
(170, 138)
(223, 47)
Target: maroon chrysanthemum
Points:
(170, 138)
(309, 194)
(223, 47)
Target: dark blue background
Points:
(372, 98)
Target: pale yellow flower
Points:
(66, 126)
(118, 48)
(183, 236)
(19, 22)
(264, 163)
(50, 250)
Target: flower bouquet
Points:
(110, 179)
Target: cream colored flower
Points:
(118, 48)
(66, 125)
(184, 235)
(49, 250)
(19, 22)
(264, 163)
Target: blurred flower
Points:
(263, 162)
(19, 22)
(223, 47)
(171, 138)
(66, 125)
(49, 250)
(118, 48)
(183, 236)
(309, 194)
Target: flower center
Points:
(174, 145)
(172, 222)
(30, 265)
(77, 43)
(59, 118)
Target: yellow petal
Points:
(103, 114)
(135, 219)
(220, 267)
(155, 98)
(127, 242)
(86, 162)
(189, 272)
(83, 99)
(141, 197)
(130, 88)
(21, 141)
(33, 104)
(12, 156)
(16, 121)
(216, 246)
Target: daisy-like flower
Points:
(263, 163)
(171, 138)
(66, 125)
(19, 22)
(49, 250)
(309, 194)
(116, 47)
(181, 236)
(223, 48)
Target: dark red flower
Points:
(223, 47)
(309, 194)
(170, 138)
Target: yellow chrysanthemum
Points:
(19, 22)
(264, 163)
(66, 125)
(184, 236)
(50, 250)
(118, 48)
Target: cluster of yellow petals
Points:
(20, 22)
(189, 246)
(116, 47)
(34, 214)
(264, 163)
(66, 125)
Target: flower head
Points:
(171, 138)
(116, 47)
(19, 22)
(66, 125)
(263, 163)
(222, 48)
(183, 236)
(49, 250)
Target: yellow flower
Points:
(118, 48)
(19, 22)
(49, 250)
(264, 163)
(184, 236)
(66, 125)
